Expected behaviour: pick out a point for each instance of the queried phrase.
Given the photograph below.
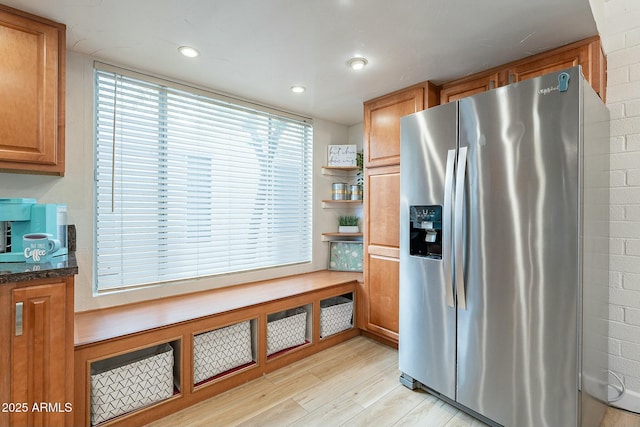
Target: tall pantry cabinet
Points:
(378, 309)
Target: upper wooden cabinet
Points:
(463, 88)
(587, 53)
(382, 121)
(32, 84)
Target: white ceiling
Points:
(258, 49)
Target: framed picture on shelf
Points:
(341, 155)
(345, 256)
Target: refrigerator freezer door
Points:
(517, 338)
(427, 322)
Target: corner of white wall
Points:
(618, 23)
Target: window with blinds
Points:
(191, 184)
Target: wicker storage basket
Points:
(131, 381)
(336, 315)
(286, 329)
(220, 350)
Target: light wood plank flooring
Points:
(352, 384)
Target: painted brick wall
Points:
(619, 26)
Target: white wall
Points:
(76, 190)
(619, 26)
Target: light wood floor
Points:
(352, 384)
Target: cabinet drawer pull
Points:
(18, 319)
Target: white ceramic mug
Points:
(38, 247)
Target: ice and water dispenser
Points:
(425, 234)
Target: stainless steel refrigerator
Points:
(504, 252)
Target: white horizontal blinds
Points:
(189, 185)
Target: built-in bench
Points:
(101, 335)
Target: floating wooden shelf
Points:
(340, 203)
(327, 237)
(339, 170)
(342, 168)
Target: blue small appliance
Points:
(23, 216)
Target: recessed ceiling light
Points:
(357, 63)
(188, 51)
(298, 89)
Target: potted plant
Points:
(348, 224)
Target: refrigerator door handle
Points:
(447, 254)
(461, 173)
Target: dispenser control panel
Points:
(425, 234)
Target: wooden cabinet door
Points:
(39, 355)
(383, 295)
(548, 64)
(32, 88)
(586, 53)
(467, 87)
(382, 122)
(382, 206)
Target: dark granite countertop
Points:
(61, 266)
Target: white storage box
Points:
(124, 383)
(220, 350)
(286, 329)
(336, 315)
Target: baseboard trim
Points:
(380, 339)
(630, 401)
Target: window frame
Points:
(247, 107)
